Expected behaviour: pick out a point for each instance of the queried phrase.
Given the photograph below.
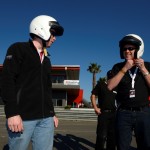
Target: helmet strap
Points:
(45, 52)
(44, 43)
(135, 55)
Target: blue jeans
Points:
(39, 132)
(137, 121)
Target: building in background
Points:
(65, 85)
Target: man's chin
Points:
(48, 46)
(128, 57)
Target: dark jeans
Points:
(137, 121)
(106, 131)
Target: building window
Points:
(58, 79)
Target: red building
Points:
(65, 85)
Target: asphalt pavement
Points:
(70, 135)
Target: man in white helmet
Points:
(27, 88)
(132, 79)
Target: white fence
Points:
(86, 114)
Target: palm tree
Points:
(94, 68)
(104, 79)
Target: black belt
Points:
(133, 108)
(108, 110)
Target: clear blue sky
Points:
(92, 30)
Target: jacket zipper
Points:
(42, 89)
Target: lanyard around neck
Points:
(133, 76)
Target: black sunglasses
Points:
(128, 48)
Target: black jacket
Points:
(26, 83)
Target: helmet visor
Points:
(56, 29)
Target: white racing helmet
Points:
(43, 26)
(135, 40)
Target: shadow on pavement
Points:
(6, 147)
(71, 142)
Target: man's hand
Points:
(97, 111)
(139, 63)
(15, 124)
(55, 121)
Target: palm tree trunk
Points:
(94, 80)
